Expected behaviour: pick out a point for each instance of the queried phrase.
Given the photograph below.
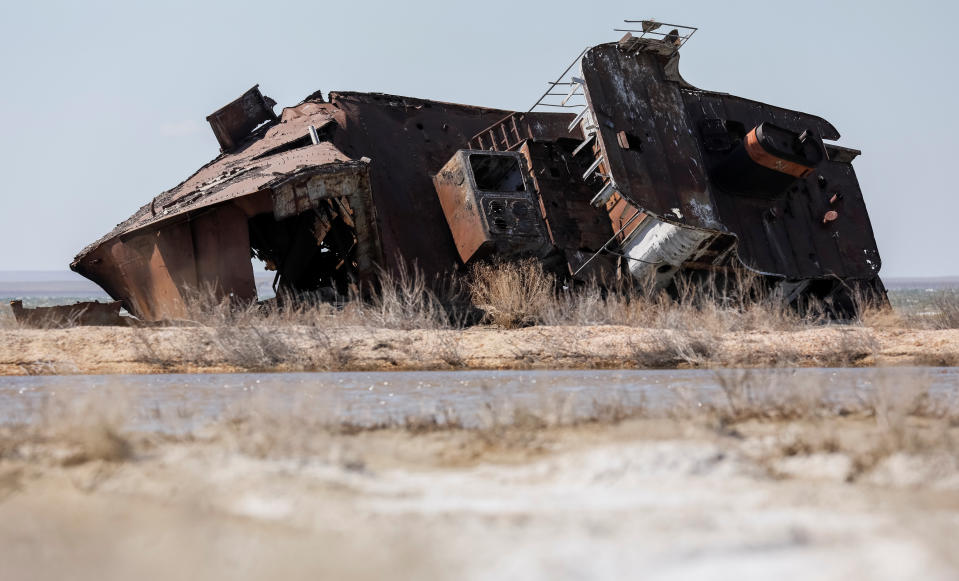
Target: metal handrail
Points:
(557, 82)
(683, 32)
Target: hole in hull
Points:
(312, 253)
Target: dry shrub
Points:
(882, 317)
(262, 427)
(690, 348)
(891, 414)
(404, 301)
(446, 346)
(150, 350)
(694, 347)
(252, 347)
(312, 425)
(513, 294)
(781, 395)
(519, 294)
(853, 346)
(741, 302)
(206, 306)
(261, 347)
(306, 332)
(894, 404)
(802, 415)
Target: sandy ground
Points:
(290, 348)
(645, 498)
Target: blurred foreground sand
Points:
(652, 498)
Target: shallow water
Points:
(184, 402)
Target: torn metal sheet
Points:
(83, 313)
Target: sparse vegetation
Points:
(887, 415)
(533, 322)
(946, 310)
(520, 294)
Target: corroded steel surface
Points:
(408, 141)
(234, 121)
(577, 229)
(671, 174)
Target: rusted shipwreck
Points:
(621, 168)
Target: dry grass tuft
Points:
(751, 395)
(895, 415)
(513, 294)
(405, 301)
(675, 348)
(74, 430)
(99, 442)
(253, 347)
(883, 318)
(946, 305)
(703, 306)
(446, 345)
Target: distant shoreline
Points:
(67, 276)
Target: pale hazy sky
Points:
(104, 102)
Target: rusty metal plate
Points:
(664, 172)
(234, 122)
(490, 205)
(785, 234)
